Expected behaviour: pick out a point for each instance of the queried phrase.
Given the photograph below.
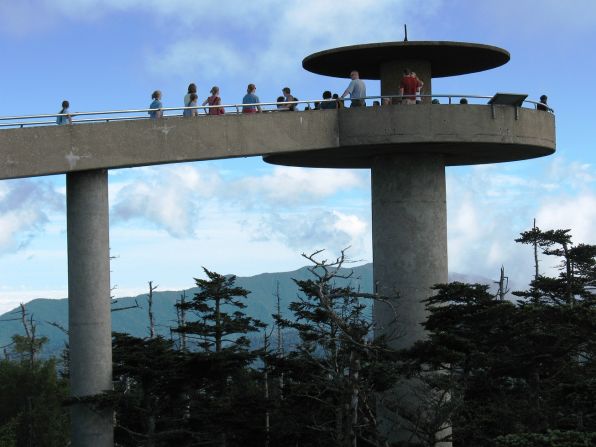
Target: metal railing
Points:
(266, 107)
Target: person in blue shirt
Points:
(156, 106)
(251, 98)
(65, 118)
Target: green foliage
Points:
(221, 322)
(331, 380)
(8, 433)
(31, 411)
(552, 438)
(525, 367)
(206, 394)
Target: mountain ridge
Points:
(261, 304)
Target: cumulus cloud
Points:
(168, 198)
(489, 206)
(316, 229)
(25, 206)
(282, 205)
(287, 187)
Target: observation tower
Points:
(407, 148)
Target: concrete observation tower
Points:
(407, 147)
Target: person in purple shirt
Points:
(251, 98)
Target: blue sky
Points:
(244, 216)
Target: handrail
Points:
(236, 109)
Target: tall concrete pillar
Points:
(89, 315)
(409, 227)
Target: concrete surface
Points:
(446, 58)
(409, 227)
(463, 134)
(327, 138)
(89, 318)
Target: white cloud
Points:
(24, 209)
(577, 213)
(489, 206)
(210, 58)
(168, 198)
(287, 187)
(281, 206)
(316, 229)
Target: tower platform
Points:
(345, 138)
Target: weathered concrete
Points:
(409, 227)
(463, 134)
(344, 138)
(89, 318)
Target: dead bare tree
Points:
(150, 309)
(181, 318)
(28, 344)
(503, 285)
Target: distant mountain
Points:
(261, 304)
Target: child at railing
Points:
(214, 100)
(156, 106)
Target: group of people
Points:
(410, 88)
(190, 100)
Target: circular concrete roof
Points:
(446, 58)
(454, 154)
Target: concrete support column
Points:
(409, 227)
(392, 72)
(89, 315)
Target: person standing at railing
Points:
(408, 87)
(192, 103)
(418, 88)
(156, 106)
(214, 100)
(280, 104)
(289, 98)
(326, 103)
(65, 118)
(340, 102)
(192, 88)
(251, 98)
(543, 104)
(356, 89)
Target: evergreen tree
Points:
(331, 379)
(525, 367)
(31, 404)
(220, 324)
(224, 403)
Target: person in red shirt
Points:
(408, 87)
